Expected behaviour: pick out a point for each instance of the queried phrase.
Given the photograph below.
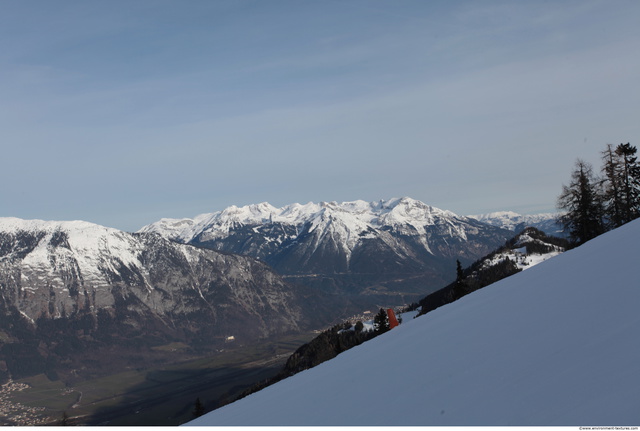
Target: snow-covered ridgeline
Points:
(556, 345)
(521, 258)
(356, 216)
(84, 241)
(68, 259)
(519, 253)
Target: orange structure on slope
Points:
(393, 322)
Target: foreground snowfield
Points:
(558, 344)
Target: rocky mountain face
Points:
(510, 220)
(69, 290)
(382, 252)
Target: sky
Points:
(124, 112)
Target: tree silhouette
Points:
(198, 409)
(629, 173)
(582, 202)
(612, 187)
(381, 322)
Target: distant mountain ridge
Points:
(389, 250)
(358, 217)
(545, 222)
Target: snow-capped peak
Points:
(407, 211)
(59, 251)
(320, 230)
(248, 214)
(85, 239)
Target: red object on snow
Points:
(393, 322)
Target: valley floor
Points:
(159, 396)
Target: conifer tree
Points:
(630, 181)
(581, 201)
(612, 187)
(381, 322)
(459, 288)
(459, 272)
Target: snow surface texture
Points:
(555, 345)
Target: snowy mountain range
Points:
(546, 222)
(337, 259)
(355, 217)
(390, 251)
(68, 288)
(555, 345)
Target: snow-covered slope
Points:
(527, 249)
(546, 222)
(554, 345)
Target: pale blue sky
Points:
(124, 112)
